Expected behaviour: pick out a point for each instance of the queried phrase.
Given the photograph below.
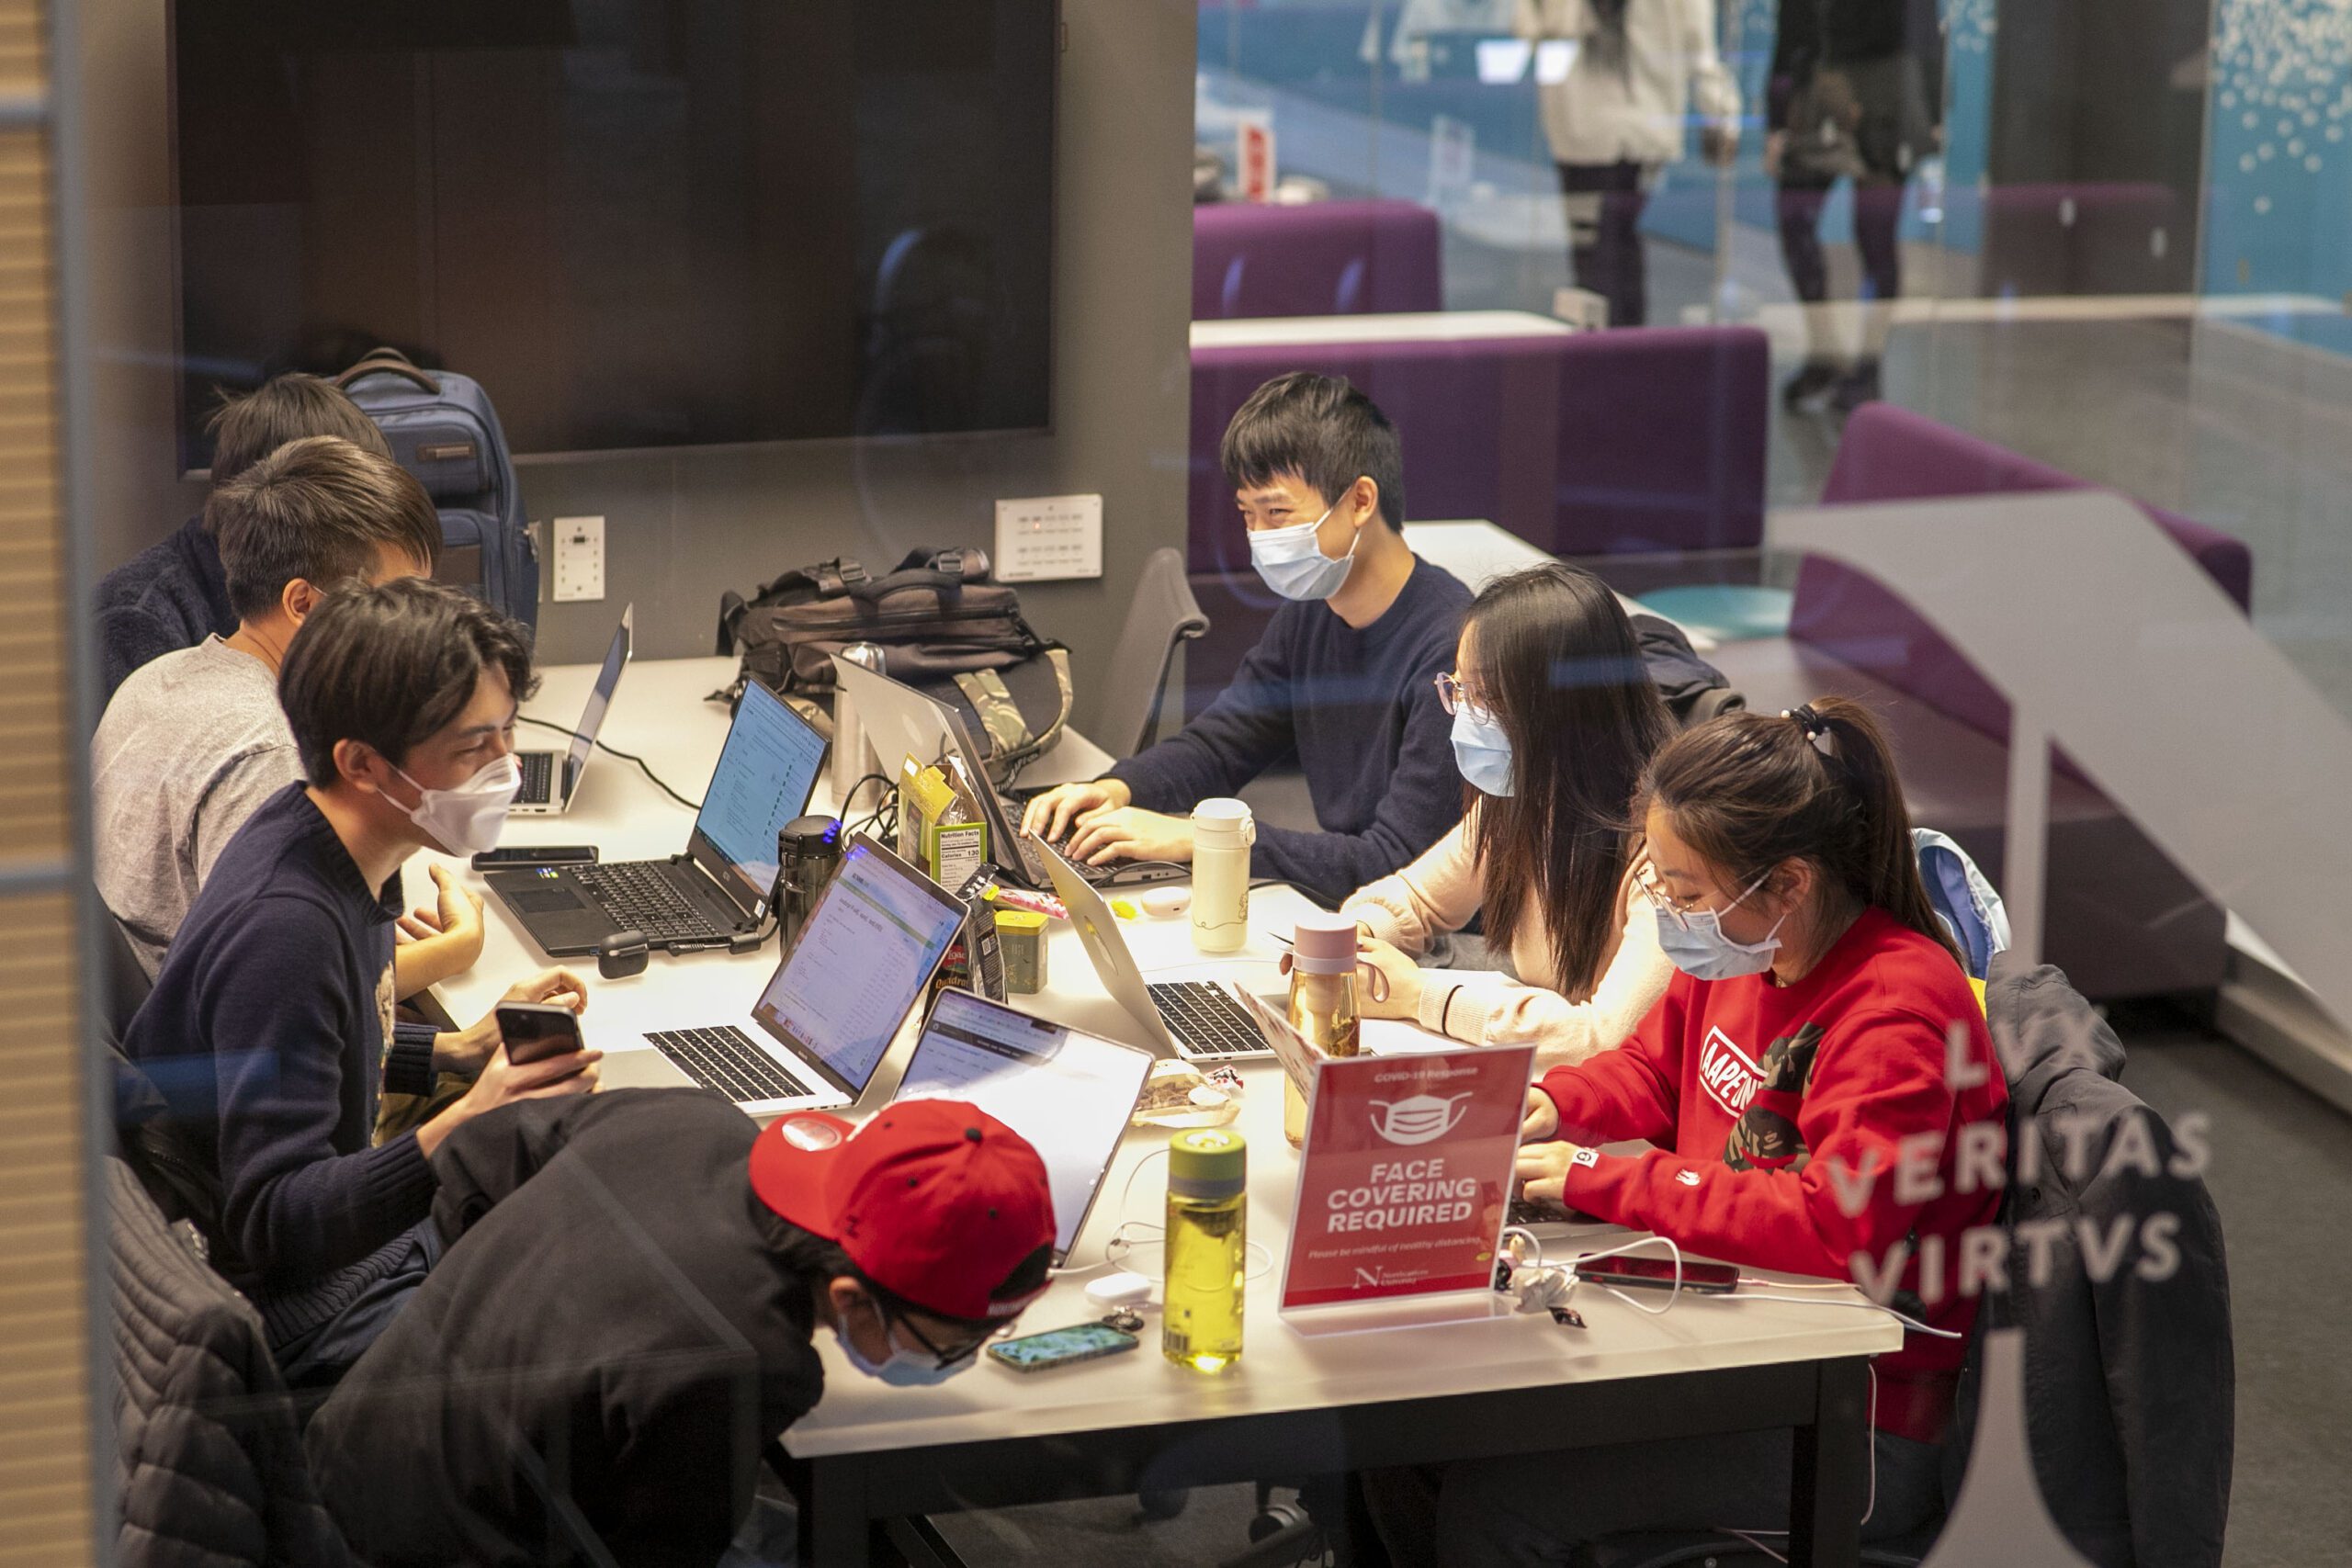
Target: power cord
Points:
(643, 765)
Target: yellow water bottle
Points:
(1208, 1249)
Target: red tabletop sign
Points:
(1406, 1174)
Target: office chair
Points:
(1162, 615)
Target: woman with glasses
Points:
(1820, 1096)
(1554, 717)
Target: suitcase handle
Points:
(387, 362)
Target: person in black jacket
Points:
(1856, 92)
(175, 593)
(625, 1315)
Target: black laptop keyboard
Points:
(1526, 1211)
(725, 1059)
(1206, 1020)
(538, 777)
(638, 896)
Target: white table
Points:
(1293, 1405)
(1403, 326)
(1477, 552)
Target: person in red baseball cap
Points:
(625, 1313)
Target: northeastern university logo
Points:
(1730, 1077)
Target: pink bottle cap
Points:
(1325, 944)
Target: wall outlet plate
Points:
(579, 559)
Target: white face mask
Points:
(1423, 1118)
(468, 820)
(1291, 561)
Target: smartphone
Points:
(1061, 1346)
(1657, 1274)
(536, 1031)
(536, 854)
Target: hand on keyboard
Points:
(1054, 814)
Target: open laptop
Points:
(825, 1019)
(1069, 1093)
(904, 722)
(551, 778)
(717, 893)
(1197, 1020)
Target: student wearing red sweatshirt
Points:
(1804, 1082)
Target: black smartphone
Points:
(536, 1031)
(1657, 1274)
(1061, 1346)
(534, 854)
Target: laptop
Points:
(1197, 1020)
(1069, 1093)
(904, 722)
(715, 895)
(825, 1019)
(551, 778)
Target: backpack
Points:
(443, 430)
(943, 628)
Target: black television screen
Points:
(637, 222)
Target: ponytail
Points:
(1817, 784)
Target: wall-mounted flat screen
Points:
(640, 223)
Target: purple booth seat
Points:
(2119, 918)
(1641, 441)
(1327, 258)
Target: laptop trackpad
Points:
(544, 900)
(641, 1068)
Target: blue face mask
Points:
(1695, 942)
(1294, 564)
(1482, 752)
(905, 1368)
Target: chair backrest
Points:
(1162, 615)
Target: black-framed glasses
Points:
(945, 1357)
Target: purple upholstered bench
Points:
(1643, 441)
(1327, 258)
(2120, 918)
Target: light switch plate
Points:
(1048, 536)
(579, 559)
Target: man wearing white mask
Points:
(194, 741)
(269, 1030)
(1342, 680)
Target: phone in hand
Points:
(536, 1031)
(1061, 1346)
(1657, 1274)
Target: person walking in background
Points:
(1856, 93)
(1617, 117)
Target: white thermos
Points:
(854, 755)
(1223, 831)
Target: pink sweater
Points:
(1440, 892)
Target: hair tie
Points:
(1816, 728)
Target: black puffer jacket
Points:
(2129, 1382)
(210, 1465)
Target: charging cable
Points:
(642, 766)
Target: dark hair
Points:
(816, 1258)
(1748, 791)
(1558, 664)
(316, 509)
(1321, 430)
(391, 665)
(249, 426)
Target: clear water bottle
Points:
(1323, 1003)
(853, 754)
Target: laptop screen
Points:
(868, 951)
(600, 697)
(1069, 1094)
(763, 781)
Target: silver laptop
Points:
(1069, 1093)
(823, 1022)
(552, 779)
(904, 722)
(1198, 1020)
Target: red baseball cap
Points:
(933, 1200)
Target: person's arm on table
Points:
(442, 942)
(1502, 1012)
(1437, 892)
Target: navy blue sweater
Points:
(1358, 710)
(172, 594)
(266, 1032)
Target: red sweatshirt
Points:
(1767, 1105)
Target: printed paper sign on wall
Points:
(1406, 1174)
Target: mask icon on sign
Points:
(1421, 1118)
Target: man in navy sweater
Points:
(269, 1029)
(1343, 679)
(175, 593)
